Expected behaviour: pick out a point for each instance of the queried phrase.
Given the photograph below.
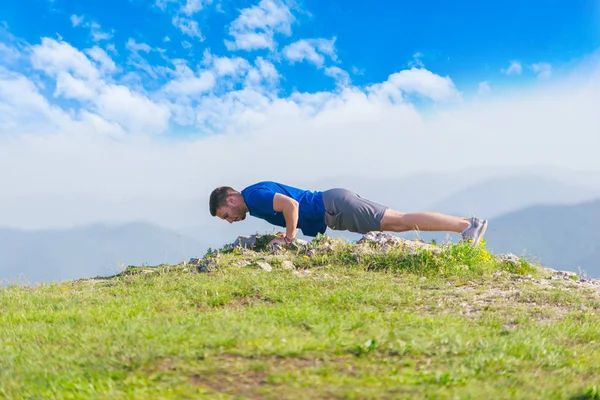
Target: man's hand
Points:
(282, 241)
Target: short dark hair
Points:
(218, 198)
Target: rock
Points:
(258, 242)
(582, 308)
(148, 271)
(304, 272)
(568, 274)
(509, 257)
(287, 265)
(300, 242)
(242, 264)
(326, 248)
(194, 261)
(208, 265)
(264, 265)
(275, 247)
(385, 242)
(245, 241)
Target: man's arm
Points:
(289, 207)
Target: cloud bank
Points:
(77, 124)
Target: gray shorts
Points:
(346, 210)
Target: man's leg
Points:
(471, 229)
(396, 221)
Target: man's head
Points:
(227, 204)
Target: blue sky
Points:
(471, 41)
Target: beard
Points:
(240, 214)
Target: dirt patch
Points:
(473, 301)
(256, 377)
(240, 302)
(236, 301)
(245, 384)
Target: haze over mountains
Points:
(83, 237)
(94, 250)
(563, 236)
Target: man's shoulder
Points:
(265, 185)
(259, 197)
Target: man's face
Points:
(232, 212)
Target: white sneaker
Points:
(475, 231)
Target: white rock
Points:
(287, 264)
(264, 265)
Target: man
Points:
(338, 209)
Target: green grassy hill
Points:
(380, 319)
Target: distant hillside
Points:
(559, 236)
(88, 251)
(495, 197)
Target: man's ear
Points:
(231, 200)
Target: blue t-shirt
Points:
(311, 211)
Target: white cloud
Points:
(262, 77)
(188, 26)
(70, 87)
(98, 34)
(137, 60)
(484, 88)
(225, 66)
(76, 20)
(416, 81)
(342, 77)
(193, 6)
(187, 7)
(189, 84)
(8, 54)
(251, 41)
(134, 111)
(357, 71)
(134, 46)
(78, 78)
(267, 70)
(416, 61)
(53, 57)
(543, 70)
(255, 27)
(183, 15)
(515, 68)
(101, 57)
(162, 4)
(96, 31)
(24, 110)
(311, 50)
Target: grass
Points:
(360, 325)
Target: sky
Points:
(170, 98)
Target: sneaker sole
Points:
(481, 233)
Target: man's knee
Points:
(393, 221)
